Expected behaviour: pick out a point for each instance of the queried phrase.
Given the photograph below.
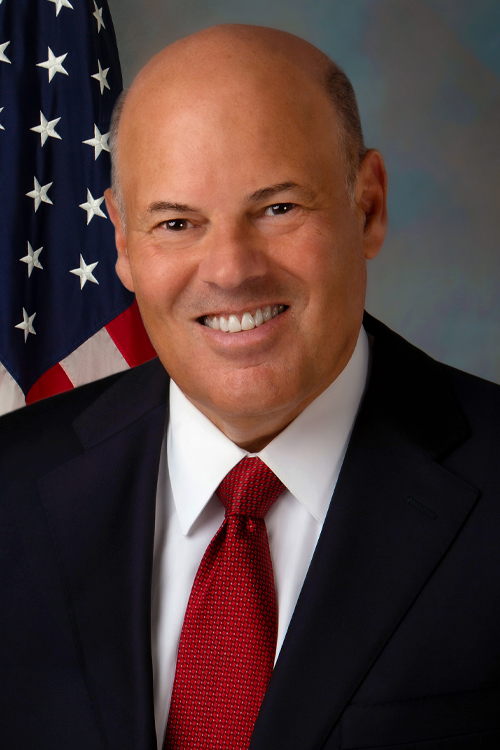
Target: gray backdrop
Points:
(427, 76)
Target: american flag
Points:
(65, 318)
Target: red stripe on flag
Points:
(130, 337)
(53, 381)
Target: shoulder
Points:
(452, 415)
(54, 413)
(407, 380)
(41, 435)
(476, 394)
(407, 359)
(479, 401)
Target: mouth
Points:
(236, 322)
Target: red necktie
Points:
(228, 640)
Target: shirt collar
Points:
(307, 456)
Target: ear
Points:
(122, 262)
(370, 197)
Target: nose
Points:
(231, 257)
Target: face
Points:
(236, 207)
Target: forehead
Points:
(248, 121)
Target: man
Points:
(245, 207)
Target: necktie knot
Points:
(249, 489)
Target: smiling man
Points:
(232, 166)
(283, 532)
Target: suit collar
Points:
(410, 390)
(138, 391)
(377, 549)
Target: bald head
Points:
(224, 61)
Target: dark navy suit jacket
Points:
(395, 640)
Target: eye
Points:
(278, 209)
(176, 225)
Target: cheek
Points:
(322, 247)
(340, 260)
(160, 278)
(321, 267)
(335, 277)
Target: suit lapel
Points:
(100, 507)
(394, 514)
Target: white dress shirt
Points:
(196, 456)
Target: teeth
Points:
(247, 322)
(258, 317)
(232, 324)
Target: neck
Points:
(253, 433)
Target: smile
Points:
(234, 323)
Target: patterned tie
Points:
(228, 640)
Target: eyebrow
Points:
(280, 187)
(167, 206)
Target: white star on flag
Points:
(99, 142)
(101, 77)
(85, 272)
(27, 324)
(54, 64)
(98, 16)
(60, 3)
(46, 128)
(1, 108)
(32, 259)
(3, 56)
(39, 194)
(92, 207)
